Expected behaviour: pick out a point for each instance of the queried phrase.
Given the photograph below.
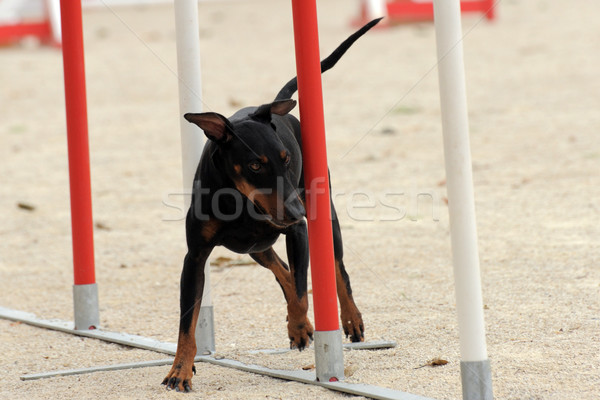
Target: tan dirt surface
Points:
(534, 102)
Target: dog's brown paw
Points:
(353, 326)
(180, 378)
(300, 333)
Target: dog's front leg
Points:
(293, 283)
(300, 329)
(192, 287)
(352, 322)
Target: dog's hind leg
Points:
(293, 283)
(352, 322)
(192, 286)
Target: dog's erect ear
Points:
(215, 126)
(279, 107)
(282, 107)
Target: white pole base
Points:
(329, 356)
(205, 332)
(85, 305)
(476, 379)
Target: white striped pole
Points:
(53, 7)
(192, 140)
(376, 8)
(475, 367)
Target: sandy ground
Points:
(534, 99)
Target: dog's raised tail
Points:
(290, 88)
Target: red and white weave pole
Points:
(328, 339)
(85, 290)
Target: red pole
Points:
(77, 138)
(312, 122)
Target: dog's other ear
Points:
(279, 107)
(215, 126)
(282, 107)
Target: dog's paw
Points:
(353, 326)
(300, 333)
(178, 379)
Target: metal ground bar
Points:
(137, 341)
(371, 345)
(99, 368)
(144, 342)
(307, 377)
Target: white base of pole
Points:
(476, 379)
(205, 332)
(329, 356)
(85, 305)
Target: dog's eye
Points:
(287, 160)
(255, 166)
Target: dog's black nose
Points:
(295, 218)
(294, 211)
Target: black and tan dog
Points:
(248, 190)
